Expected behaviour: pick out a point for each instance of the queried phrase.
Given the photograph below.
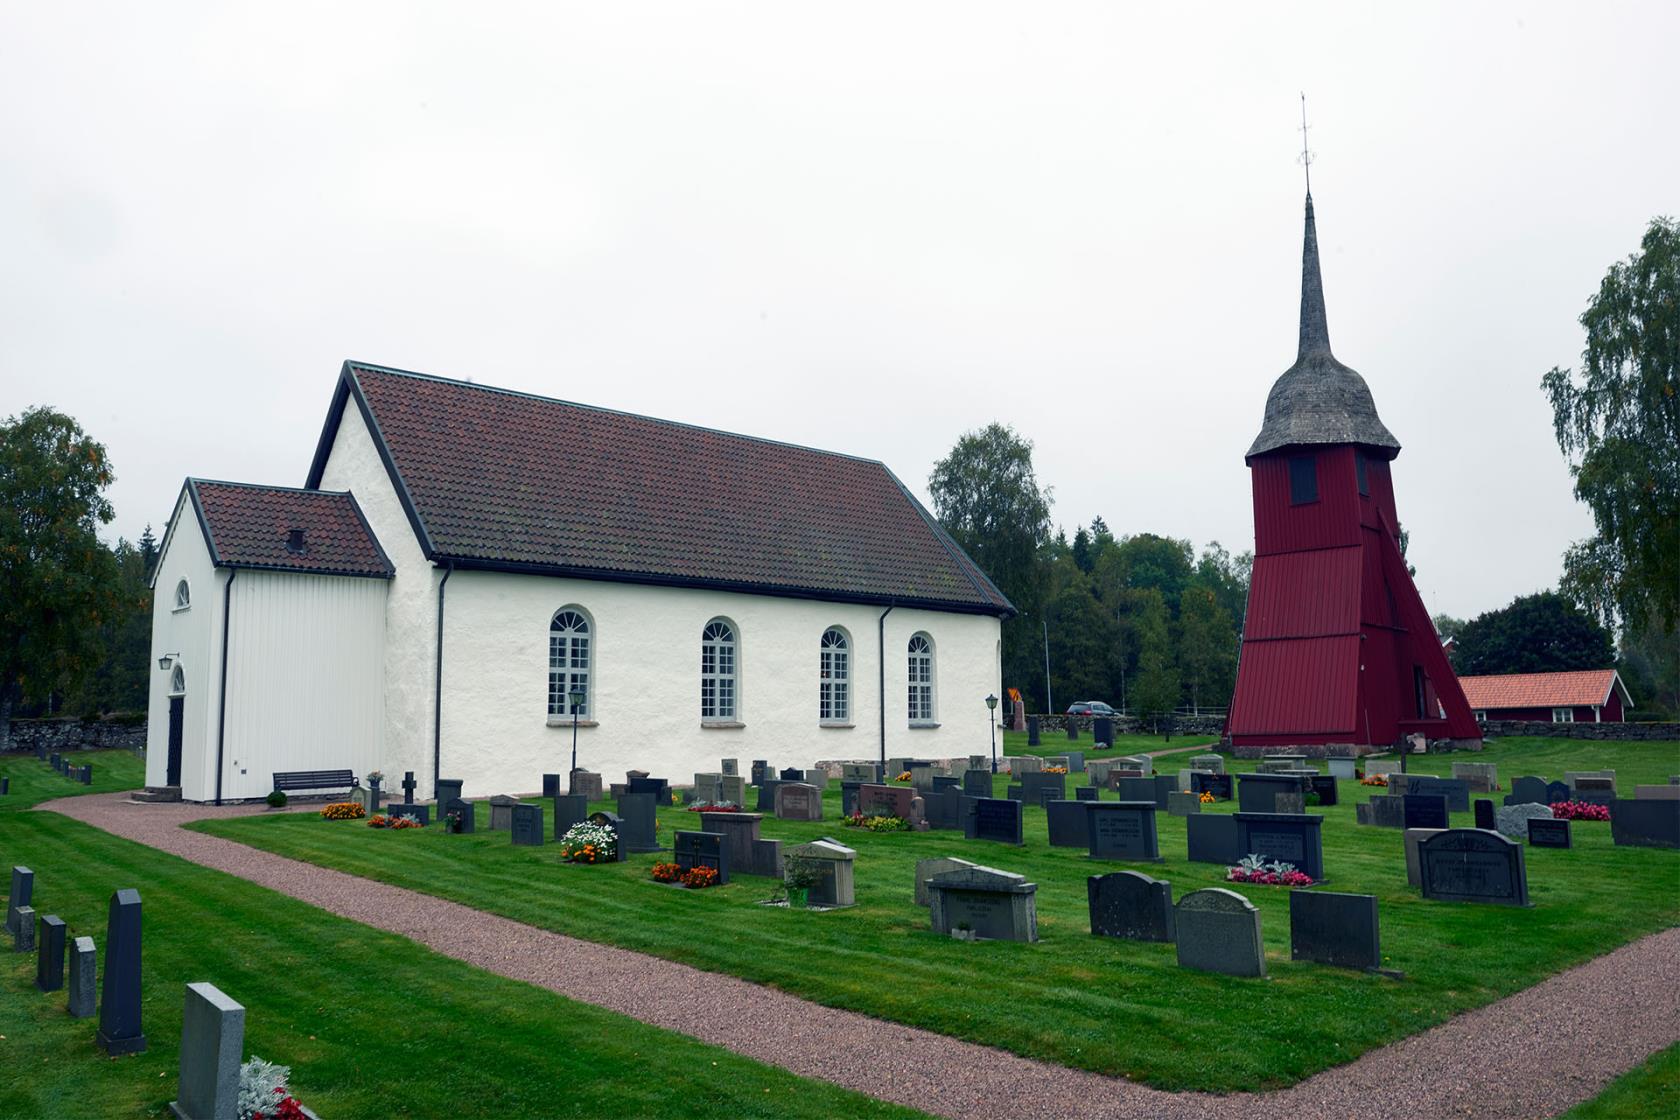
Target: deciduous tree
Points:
(1536, 634)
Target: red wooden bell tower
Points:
(1337, 645)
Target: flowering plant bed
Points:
(343, 811)
(1374, 780)
(263, 1094)
(699, 878)
(380, 820)
(666, 872)
(715, 807)
(1254, 869)
(1054, 770)
(904, 777)
(1206, 799)
(589, 843)
(1579, 811)
(876, 823)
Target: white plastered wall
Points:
(646, 660)
(194, 635)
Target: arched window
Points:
(183, 596)
(568, 661)
(717, 670)
(921, 679)
(178, 681)
(834, 703)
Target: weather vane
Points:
(1306, 156)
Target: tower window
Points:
(1303, 479)
(1359, 470)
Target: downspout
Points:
(437, 685)
(881, 653)
(221, 702)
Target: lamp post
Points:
(991, 707)
(577, 697)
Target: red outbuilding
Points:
(1581, 696)
(1337, 645)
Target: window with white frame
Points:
(1481, 716)
(921, 679)
(717, 671)
(834, 702)
(568, 661)
(178, 681)
(183, 596)
(1563, 715)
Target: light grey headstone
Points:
(1026, 764)
(1656, 793)
(212, 1042)
(992, 904)
(1180, 804)
(1572, 778)
(23, 937)
(1219, 931)
(1512, 820)
(1213, 763)
(1414, 837)
(22, 893)
(928, 868)
(835, 862)
(83, 969)
(1342, 768)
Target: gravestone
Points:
(1481, 777)
(408, 786)
(449, 789)
(1468, 865)
(945, 807)
(766, 802)
(733, 787)
(119, 1005)
(22, 893)
(1456, 791)
(978, 783)
(363, 796)
(1133, 789)
(1645, 824)
(732, 767)
(1334, 929)
(993, 904)
(1056, 761)
(885, 801)
(49, 954)
(1382, 812)
(1076, 762)
(1399, 785)
(1067, 823)
(550, 786)
(791, 774)
(1219, 931)
(1036, 789)
(928, 868)
(1087, 793)
(212, 1042)
(1559, 791)
(1324, 785)
(1512, 820)
(760, 769)
(658, 788)
(1656, 793)
(1425, 810)
(23, 936)
(1032, 731)
(1345, 769)
(1211, 763)
(1572, 778)
(702, 849)
(1484, 813)
(749, 854)
(637, 833)
(1072, 729)
(501, 812)
(796, 801)
(861, 772)
(607, 819)
(1257, 793)
(993, 818)
(1122, 830)
(1375, 767)
(708, 788)
(569, 809)
(1544, 832)
(1213, 839)
(849, 797)
(1527, 790)
(1217, 784)
(527, 825)
(421, 813)
(1130, 904)
(468, 817)
(1026, 764)
(834, 863)
(587, 783)
(1284, 838)
(921, 776)
(817, 777)
(1414, 866)
(82, 978)
(1013, 792)
(1102, 732)
(1183, 804)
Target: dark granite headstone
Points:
(748, 853)
(528, 824)
(1037, 789)
(849, 797)
(1468, 865)
(119, 1006)
(637, 832)
(1067, 823)
(1130, 904)
(759, 767)
(1284, 838)
(1087, 793)
(1559, 791)
(977, 783)
(659, 788)
(1527, 790)
(408, 787)
(944, 807)
(1425, 810)
(1257, 793)
(551, 786)
(448, 789)
(767, 795)
(1645, 823)
(1013, 792)
(1545, 832)
(1455, 790)
(81, 1001)
(22, 893)
(1218, 930)
(421, 813)
(1102, 731)
(608, 819)
(993, 818)
(1382, 811)
(1072, 729)
(1217, 784)
(1133, 789)
(49, 954)
(1122, 830)
(1484, 813)
(702, 849)
(1325, 786)
(886, 801)
(569, 809)
(1213, 839)
(1335, 929)
(987, 902)
(467, 820)
(1032, 731)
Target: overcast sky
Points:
(867, 228)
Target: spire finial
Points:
(1306, 155)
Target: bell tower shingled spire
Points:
(1315, 331)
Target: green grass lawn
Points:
(1652, 1089)
(370, 1023)
(1107, 1005)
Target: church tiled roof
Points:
(282, 529)
(504, 480)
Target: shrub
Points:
(277, 800)
(800, 874)
(589, 843)
(667, 872)
(343, 811)
(698, 878)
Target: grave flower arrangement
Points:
(1374, 780)
(699, 878)
(715, 807)
(343, 811)
(1254, 869)
(1580, 811)
(1206, 798)
(904, 777)
(380, 820)
(589, 843)
(263, 1094)
(876, 823)
(666, 872)
(1055, 770)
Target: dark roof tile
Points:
(250, 527)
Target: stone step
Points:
(156, 793)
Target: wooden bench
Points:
(313, 779)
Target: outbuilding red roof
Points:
(497, 479)
(283, 529)
(1582, 688)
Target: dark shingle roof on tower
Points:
(503, 480)
(1319, 400)
(281, 529)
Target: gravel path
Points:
(1534, 1054)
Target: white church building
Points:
(470, 572)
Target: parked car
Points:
(1091, 708)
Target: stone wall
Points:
(1131, 725)
(1625, 732)
(61, 735)
(1310, 750)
